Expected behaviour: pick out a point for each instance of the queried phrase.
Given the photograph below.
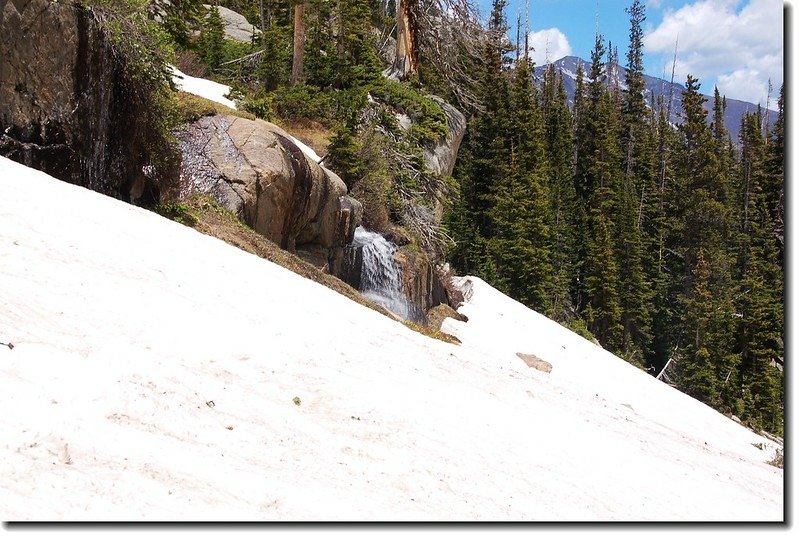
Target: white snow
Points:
(154, 370)
(214, 91)
(310, 153)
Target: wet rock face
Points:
(256, 171)
(63, 102)
(422, 280)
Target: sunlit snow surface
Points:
(155, 370)
(213, 91)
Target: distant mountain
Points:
(657, 87)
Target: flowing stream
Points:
(381, 277)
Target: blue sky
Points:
(736, 45)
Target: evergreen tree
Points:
(521, 242)
(760, 296)
(667, 264)
(487, 155)
(179, 18)
(358, 62)
(211, 40)
(563, 212)
(637, 209)
(580, 163)
(698, 372)
(602, 276)
(705, 219)
(762, 326)
(774, 185)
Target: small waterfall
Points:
(380, 276)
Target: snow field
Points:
(154, 372)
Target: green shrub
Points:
(179, 212)
(259, 104)
(429, 119)
(302, 102)
(578, 326)
(189, 108)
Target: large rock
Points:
(422, 280)
(441, 156)
(254, 169)
(67, 106)
(237, 27)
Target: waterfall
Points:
(380, 276)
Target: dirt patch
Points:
(311, 133)
(436, 315)
(535, 362)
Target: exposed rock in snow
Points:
(254, 169)
(154, 372)
(535, 362)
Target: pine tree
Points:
(637, 207)
(698, 371)
(587, 113)
(762, 326)
(602, 275)
(774, 185)
(486, 156)
(581, 161)
(211, 40)
(667, 264)
(563, 214)
(706, 232)
(359, 64)
(520, 245)
(603, 313)
(760, 297)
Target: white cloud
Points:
(737, 49)
(748, 85)
(548, 45)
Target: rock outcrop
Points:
(237, 27)
(67, 106)
(422, 282)
(255, 170)
(437, 314)
(441, 156)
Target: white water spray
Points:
(381, 278)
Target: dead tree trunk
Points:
(299, 43)
(405, 63)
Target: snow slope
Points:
(155, 369)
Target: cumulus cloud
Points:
(736, 49)
(548, 45)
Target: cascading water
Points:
(381, 278)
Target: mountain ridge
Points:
(654, 87)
